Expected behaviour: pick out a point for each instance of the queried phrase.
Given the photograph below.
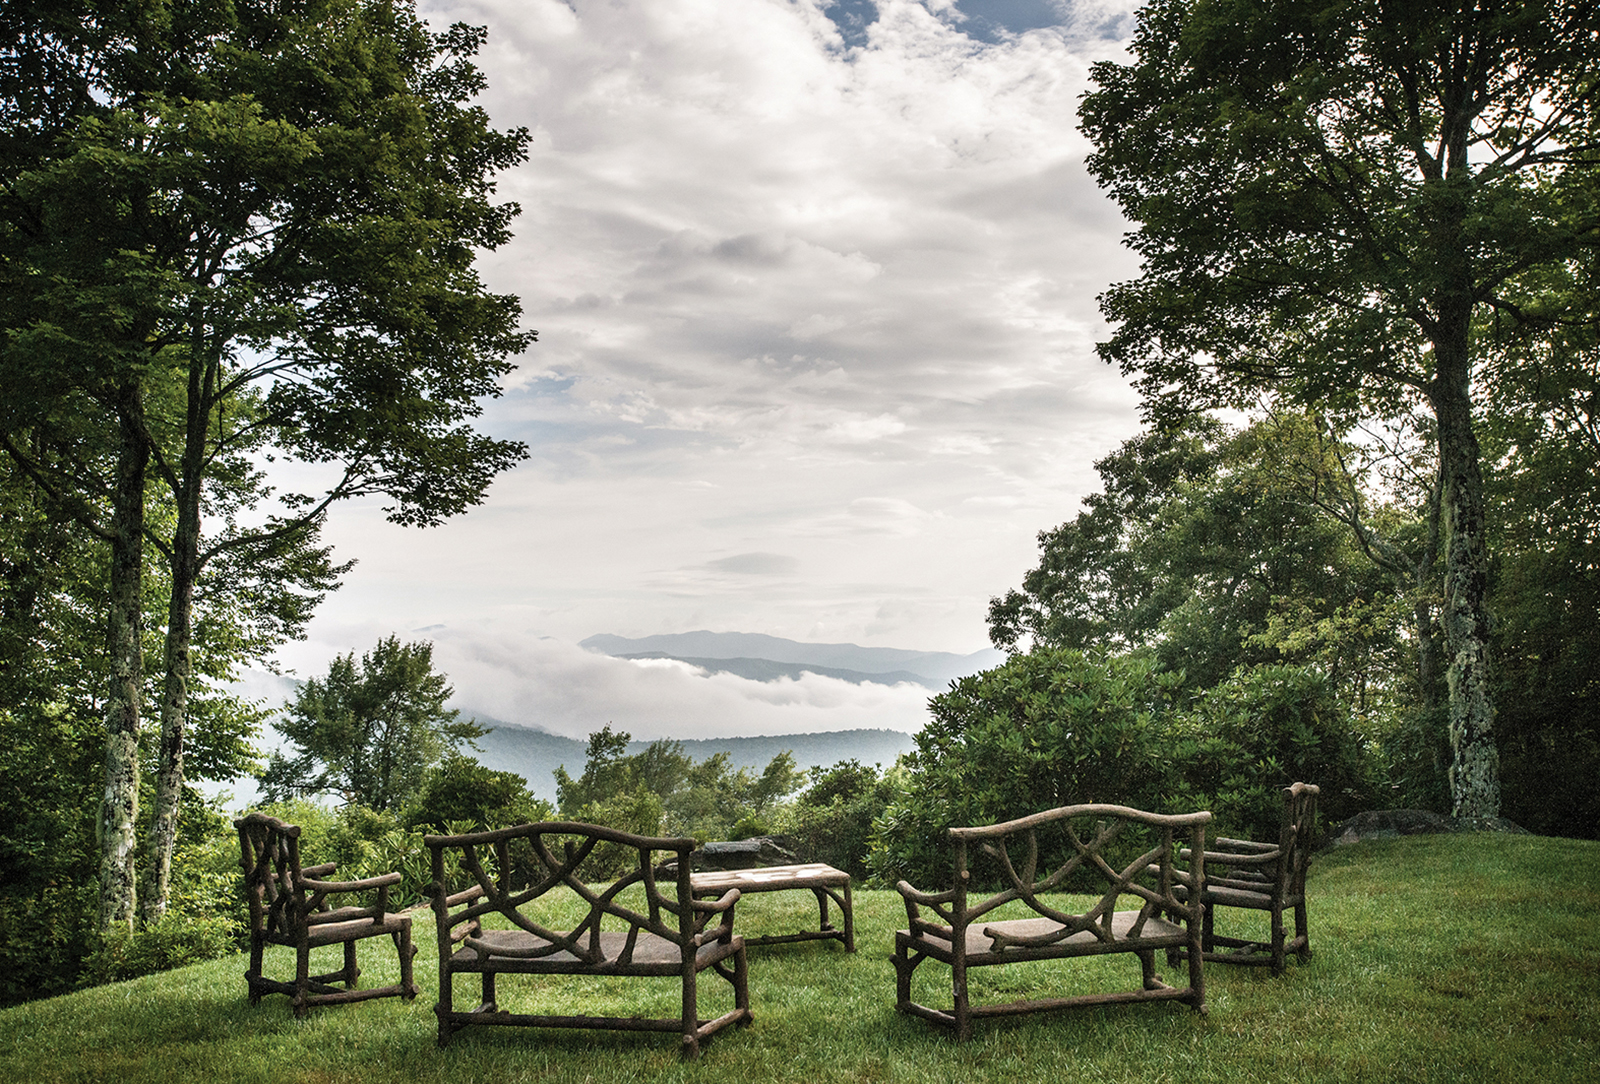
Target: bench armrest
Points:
(721, 903)
(464, 896)
(382, 881)
(927, 899)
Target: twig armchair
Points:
(645, 923)
(289, 906)
(950, 928)
(1268, 877)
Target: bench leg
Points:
(1147, 968)
(1301, 932)
(849, 920)
(960, 1006)
(822, 909)
(905, 962)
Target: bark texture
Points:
(1475, 760)
(119, 804)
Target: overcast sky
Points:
(815, 291)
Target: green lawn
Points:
(1438, 958)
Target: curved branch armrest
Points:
(1243, 844)
(929, 899)
(722, 903)
(722, 933)
(1233, 858)
(464, 895)
(382, 881)
(1261, 854)
(319, 871)
(1179, 876)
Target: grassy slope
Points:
(1442, 958)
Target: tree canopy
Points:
(235, 232)
(662, 789)
(1337, 202)
(369, 733)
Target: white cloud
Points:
(554, 684)
(794, 298)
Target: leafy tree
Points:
(242, 230)
(1542, 446)
(832, 819)
(660, 789)
(53, 660)
(368, 734)
(609, 770)
(460, 790)
(1330, 199)
(1208, 547)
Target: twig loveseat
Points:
(951, 929)
(644, 923)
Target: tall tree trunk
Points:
(119, 804)
(1475, 761)
(178, 661)
(174, 713)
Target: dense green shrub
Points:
(460, 790)
(1048, 728)
(45, 935)
(1060, 727)
(174, 941)
(51, 769)
(1245, 739)
(832, 819)
(49, 942)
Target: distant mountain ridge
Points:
(535, 754)
(767, 670)
(934, 668)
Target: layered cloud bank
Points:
(816, 303)
(555, 685)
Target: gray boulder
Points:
(1387, 823)
(742, 854)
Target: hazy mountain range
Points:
(766, 658)
(528, 748)
(535, 754)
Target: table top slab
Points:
(770, 878)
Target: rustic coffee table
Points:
(825, 881)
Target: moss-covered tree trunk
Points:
(119, 802)
(1475, 761)
(174, 715)
(178, 661)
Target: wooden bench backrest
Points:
(1297, 837)
(562, 852)
(269, 854)
(1150, 877)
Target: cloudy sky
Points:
(815, 291)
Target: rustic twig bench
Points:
(1268, 877)
(289, 906)
(961, 938)
(635, 925)
(823, 880)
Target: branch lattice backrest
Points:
(1151, 877)
(270, 858)
(1298, 835)
(490, 890)
(559, 907)
(1122, 854)
(283, 895)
